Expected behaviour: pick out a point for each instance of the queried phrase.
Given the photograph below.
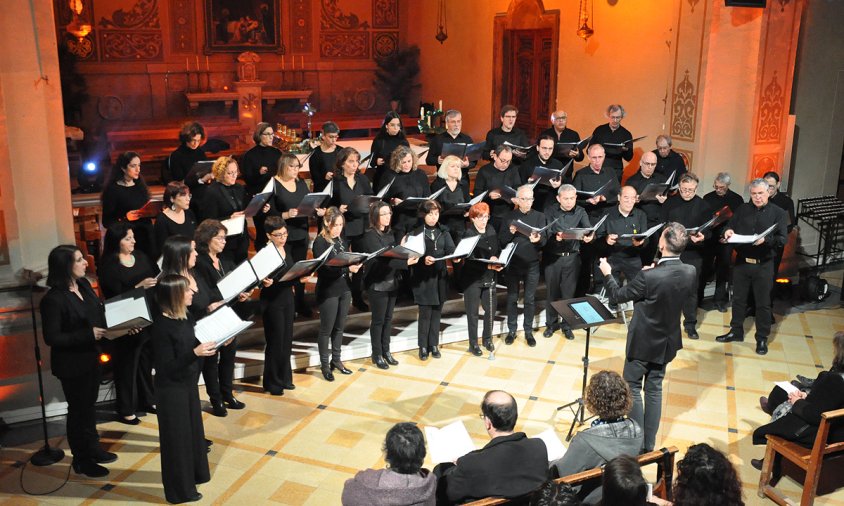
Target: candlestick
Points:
(282, 62)
(302, 62)
(421, 112)
(441, 105)
(197, 63)
(207, 65)
(187, 64)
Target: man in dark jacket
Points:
(653, 337)
(510, 465)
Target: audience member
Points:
(403, 482)
(611, 435)
(623, 483)
(555, 494)
(492, 470)
(704, 477)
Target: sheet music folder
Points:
(583, 312)
(125, 312)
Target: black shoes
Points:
(278, 392)
(103, 457)
(305, 312)
(730, 337)
(475, 350)
(379, 362)
(289, 386)
(550, 329)
(511, 336)
(233, 403)
(721, 306)
(89, 468)
(129, 421)
(388, 357)
(326, 372)
(361, 305)
(208, 445)
(568, 333)
(692, 333)
(488, 344)
(423, 353)
(218, 409)
(530, 340)
(757, 463)
(762, 347)
(435, 352)
(338, 364)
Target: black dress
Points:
(184, 458)
(449, 198)
(219, 203)
(119, 200)
(383, 146)
(278, 312)
(165, 227)
(132, 354)
(429, 283)
(182, 159)
(68, 323)
(320, 164)
(407, 184)
(251, 163)
(356, 222)
(282, 201)
(381, 279)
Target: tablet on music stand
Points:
(583, 312)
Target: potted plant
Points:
(396, 75)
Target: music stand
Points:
(582, 313)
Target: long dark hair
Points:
(390, 116)
(342, 156)
(116, 232)
(175, 255)
(705, 476)
(60, 266)
(122, 163)
(375, 215)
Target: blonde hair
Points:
(170, 294)
(219, 167)
(442, 171)
(332, 214)
(398, 155)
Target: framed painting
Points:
(242, 25)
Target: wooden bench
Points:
(230, 97)
(663, 458)
(810, 461)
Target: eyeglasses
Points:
(481, 416)
(482, 217)
(687, 190)
(267, 133)
(615, 117)
(646, 164)
(278, 235)
(525, 198)
(220, 238)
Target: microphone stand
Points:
(47, 455)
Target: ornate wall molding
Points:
(683, 109)
(385, 13)
(182, 25)
(301, 39)
(335, 18)
(143, 14)
(344, 45)
(771, 112)
(688, 63)
(384, 44)
(130, 45)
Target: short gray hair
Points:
(759, 182)
(724, 177)
(524, 188)
(452, 113)
(566, 188)
(676, 237)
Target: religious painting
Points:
(242, 25)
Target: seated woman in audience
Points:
(477, 279)
(623, 484)
(288, 191)
(800, 425)
(611, 435)
(403, 482)
(333, 294)
(428, 278)
(184, 459)
(176, 218)
(381, 279)
(122, 269)
(408, 181)
(188, 153)
(225, 199)
(277, 304)
(211, 267)
(552, 493)
(385, 142)
(705, 476)
(450, 176)
(124, 193)
(73, 323)
(348, 184)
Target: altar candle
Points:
(187, 64)
(207, 66)
(421, 112)
(302, 62)
(441, 105)
(197, 63)
(282, 62)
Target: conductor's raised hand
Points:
(604, 266)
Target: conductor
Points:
(653, 338)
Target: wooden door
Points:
(527, 78)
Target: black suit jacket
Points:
(508, 466)
(67, 323)
(658, 296)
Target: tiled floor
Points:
(300, 448)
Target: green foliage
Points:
(396, 76)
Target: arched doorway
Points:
(525, 44)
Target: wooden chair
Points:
(809, 460)
(663, 458)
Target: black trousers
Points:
(717, 258)
(624, 265)
(299, 251)
(332, 320)
(381, 304)
(474, 296)
(357, 278)
(132, 382)
(560, 282)
(693, 258)
(760, 279)
(530, 279)
(278, 334)
(218, 373)
(80, 392)
(429, 325)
